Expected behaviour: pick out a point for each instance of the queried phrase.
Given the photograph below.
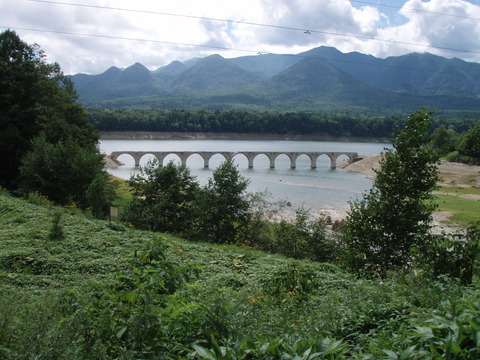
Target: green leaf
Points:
(391, 354)
(121, 332)
(205, 353)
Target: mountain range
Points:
(321, 79)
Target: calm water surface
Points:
(320, 188)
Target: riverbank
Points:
(143, 135)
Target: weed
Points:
(56, 232)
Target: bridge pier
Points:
(272, 162)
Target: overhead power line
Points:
(304, 30)
(414, 10)
(245, 22)
(223, 48)
(126, 38)
(227, 48)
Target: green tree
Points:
(100, 194)
(35, 97)
(46, 140)
(382, 227)
(470, 144)
(163, 198)
(443, 140)
(62, 171)
(222, 207)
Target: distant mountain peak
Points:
(214, 72)
(137, 67)
(174, 68)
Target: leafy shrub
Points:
(163, 197)
(469, 145)
(270, 349)
(454, 336)
(382, 227)
(454, 156)
(127, 316)
(222, 207)
(295, 281)
(302, 238)
(100, 195)
(38, 199)
(453, 255)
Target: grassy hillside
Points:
(62, 298)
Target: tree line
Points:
(256, 122)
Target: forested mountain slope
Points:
(322, 79)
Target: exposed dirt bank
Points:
(141, 135)
(451, 174)
(108, 162)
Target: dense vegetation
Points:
(46, 141)
(99, 291)
(258, 122)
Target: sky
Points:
(89, 36)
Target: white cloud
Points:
(438, 26)
(340, 23)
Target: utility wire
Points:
(306, 31)
(225, 48)
(244, 22)
(414, 10)
(128, 38)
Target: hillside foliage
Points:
(107, 291)
(46, 140)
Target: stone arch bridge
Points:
(250, 155)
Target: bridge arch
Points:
(241, 160)
(164, 159)
(195, 159)
(209, 156)
(281, 160)
(124, 158)
(303, 160)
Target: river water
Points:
(315, 189)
